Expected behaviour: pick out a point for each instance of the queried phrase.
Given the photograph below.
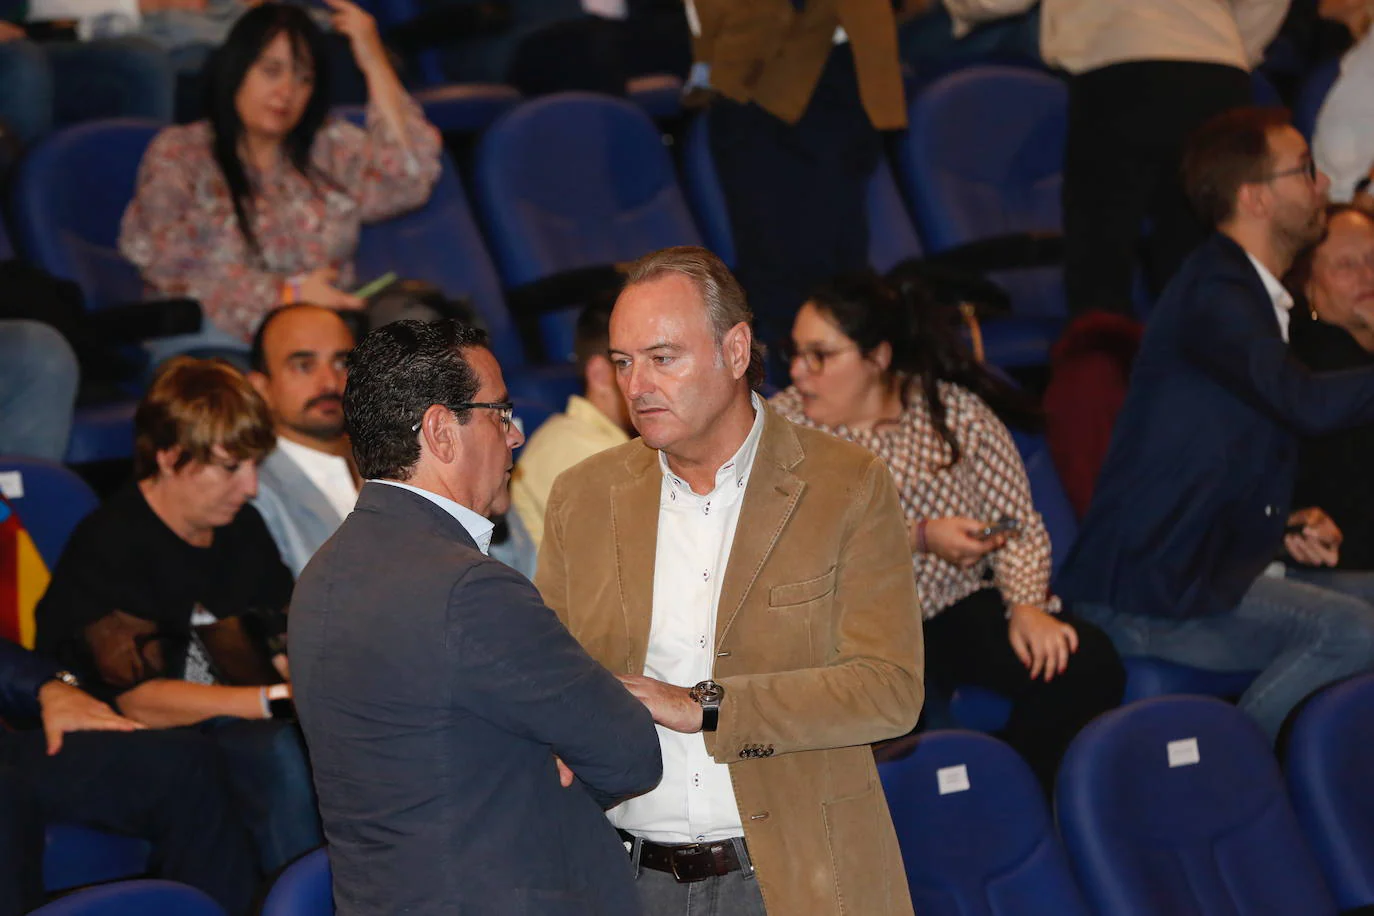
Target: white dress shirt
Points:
(1280, 297)
(478, 527)
(1343, 142)
(695, 801)
(330, 474)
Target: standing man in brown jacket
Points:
(804, 88)
(750, 581)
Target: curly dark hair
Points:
(394, 376)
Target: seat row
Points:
(1163, 807)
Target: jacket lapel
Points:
(291, 484)
(634, 518)
(769, 501)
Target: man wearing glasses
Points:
(445, 707)
(1194, 501)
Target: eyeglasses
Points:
(812, 357)
(506, 409)
(1308, 168)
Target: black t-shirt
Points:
(122, 557)
(1334, 470)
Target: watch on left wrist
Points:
(709, 694)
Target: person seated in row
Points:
(1193, 502)
(883, 367)
(167, 597)
(1333, 333)
(261, 203)
(592, 422)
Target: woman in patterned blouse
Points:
(886, 369)
(261, 203)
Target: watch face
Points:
(708, 692)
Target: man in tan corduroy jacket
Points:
(750, 581)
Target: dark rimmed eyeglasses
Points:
(1308, 168)
(811, 357)
(506, 409)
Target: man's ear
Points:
(598, 374)
(439, 433)
(738, 349)
(259, 383)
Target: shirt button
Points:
(673, 495)
(701, 838)
(706, 509)
(706, 575)
(1268, 510)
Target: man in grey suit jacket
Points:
(307, 485)
(445, 707)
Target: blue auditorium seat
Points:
(304, 888)
(983, 158)
(391, 13)
(1330, 759)
(1312, 94)
(975, 832)
(1155, 677)
(1175, 806)
(54, 499)
(75, 856)
(69, 196)
(576, 180)
(466, 108)
(134, 898)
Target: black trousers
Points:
(967, 644)
(796, 192)
(169, 787)
(1127, 127)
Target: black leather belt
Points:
(688, 862)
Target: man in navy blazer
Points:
(168, 787)
(445, 707)
(1193, 500)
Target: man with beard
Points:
(1193, 502)
(307, 485)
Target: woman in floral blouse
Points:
(885, 369)
(261, 203)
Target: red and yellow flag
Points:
(23, 578)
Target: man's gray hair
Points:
(726, 305)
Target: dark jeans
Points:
(273, 789)
(735, 894)
(967, 643)
(169, 787)
(796, 193)
(1127, 127)
(52, 84)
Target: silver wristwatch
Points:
(709, 694)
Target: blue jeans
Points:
(1298, 636)
(271, 781)
(52, 84)
(38, 379)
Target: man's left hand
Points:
(1319, 542)
(670, 705)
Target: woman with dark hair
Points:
(884, 367)
(261, 204)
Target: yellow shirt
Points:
(564, 439)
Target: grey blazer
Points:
(296, 512)
(435, 688)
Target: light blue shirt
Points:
(475, 525)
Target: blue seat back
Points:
(440, 243)
(1047, 493)
(891, 235)
(76, 856)
(659, 94)
(69, 198)
(134, 898)
(975, 833)
(1155, 677)
(1175, 806)
(304, 888)
(577, 180)
(53, 500)
(983, 156)
(1313, 93)
(1330, 761)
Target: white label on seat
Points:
(12, 484)
(1183, 753)
(952, 779)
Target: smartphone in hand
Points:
(1004, 525)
